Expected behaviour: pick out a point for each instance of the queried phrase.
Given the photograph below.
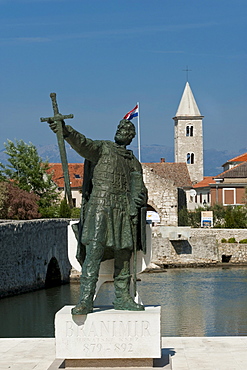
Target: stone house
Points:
(168, 187)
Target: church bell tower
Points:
(188, 135)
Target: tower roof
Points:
(188, 106)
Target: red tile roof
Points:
(240, 158)
(177, 172)
(205, 182)
(75, 173)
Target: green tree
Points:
(28, 171)
(3, 197)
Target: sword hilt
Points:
(59, 117)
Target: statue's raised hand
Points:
(54, 124)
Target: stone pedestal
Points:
(108, 334)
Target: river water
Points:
(194, 302)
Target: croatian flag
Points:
(132, 113)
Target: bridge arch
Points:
(53, 274)
(151, 206)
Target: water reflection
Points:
(32, 314)
(201, 302)
(195, 302)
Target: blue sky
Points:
(102, 56)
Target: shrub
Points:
(64, 210)
(18, 204)
(183, 218)
(75, 212)
(224, 217)
(223, 240)
(235, 217)
(232, 240)
(195, 217)
(49, 212)
(243, 241)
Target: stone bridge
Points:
(33, 255)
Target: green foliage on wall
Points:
(232, 240)
(243, 241)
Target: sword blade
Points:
(62, 150)
(64, 161)
(53, 97)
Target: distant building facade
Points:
(201, 196)
(76, 171)
(227, 188)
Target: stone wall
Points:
(197, 246)
(162, 196)
(26, 248)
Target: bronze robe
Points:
(107, 196)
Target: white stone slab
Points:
(108, 333)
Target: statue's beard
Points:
(121, 141)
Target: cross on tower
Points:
(187, 72)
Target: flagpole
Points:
(139, 136)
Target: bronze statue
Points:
(112, 222)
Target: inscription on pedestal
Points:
(108, 334)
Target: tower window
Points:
(190, 158)
(189, 130)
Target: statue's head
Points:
(125, 132)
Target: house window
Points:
(190, 158)
(229, 196)
(189, 130)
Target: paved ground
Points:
(211, 353)
(26, 354)
(206, 353)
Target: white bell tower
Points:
(188, 135)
